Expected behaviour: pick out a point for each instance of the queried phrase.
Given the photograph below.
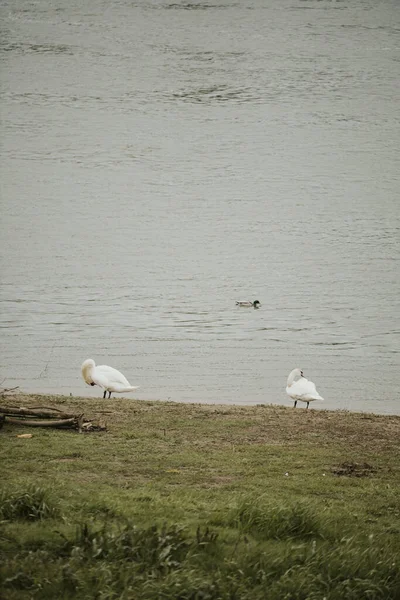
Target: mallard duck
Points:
(299, 388)
(106, 377)
(248, 303)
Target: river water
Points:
(161, 159)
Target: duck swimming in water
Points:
(248, 303)
(106, 377)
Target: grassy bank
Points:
(203, 502)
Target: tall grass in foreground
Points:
(259, 517)
(110, 562)
(31, 505)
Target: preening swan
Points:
(299, 388)
(254, 304)
(106, 377)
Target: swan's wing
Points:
(303, 388)
(310, 386)
(109, 377)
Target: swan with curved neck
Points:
(106, 377)
(300, 388)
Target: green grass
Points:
(284, 521)
(197, 502)
(31, 504)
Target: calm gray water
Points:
(161, 159)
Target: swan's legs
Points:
(105, 392)
(295, 404)
(307, 404)
(109, 395)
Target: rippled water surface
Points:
(162, 159)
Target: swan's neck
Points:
(87, 370)
(291, 378)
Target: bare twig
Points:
(43, 372)
(5, 390)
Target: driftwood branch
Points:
(44, 413)
(43, 416)
(38, 423)
(51, 408)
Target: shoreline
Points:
(63, 398)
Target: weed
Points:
(258, 516)
(354, 469)
(154, 548)
(31, 505)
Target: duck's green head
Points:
(256, 303)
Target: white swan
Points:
(254, 304)
(299, 388)
(106, 377)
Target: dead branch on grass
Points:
(47, 417)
